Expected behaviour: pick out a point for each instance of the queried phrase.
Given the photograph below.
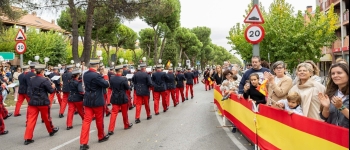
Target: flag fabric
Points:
(210, 81)
(262, 88)
(168, 64)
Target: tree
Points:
(164, 18)
(10, 12)
(203, 35)
(146, 41)
(170, 52)
(44, 44)
(290, 37)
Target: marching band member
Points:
(142, 82)
(22, 91)
(119, 99)
(2, 111)
(75, 99)
(109, 90)
(196, 74)
(57, 89)
(170, 85)
(128, 91)
(66, 77)
(101, 71)
(94, 103)
(180, 83)
(39, 102)
(189, 84)
(159, 86)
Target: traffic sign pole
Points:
(256, 47)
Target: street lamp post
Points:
(159, 61)
(144, 59)
(121, 60)
(126, 61)
(72, 62)
(29, 62)
(46, 59)
(101, 58)
(36, 58)
(99, 53)
(113, 64)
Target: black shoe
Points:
(104, 139)
(5, 132)
(234, 130)
(120, 111)
(84, 147)
(157, 113)
(187, 99)
(54, 130)
(191, 97)
(176, 104)
(28, 141)
(109, 113)
(109, 104)
(93, 118)
(42, 121)
(130, 125)
(137, 121)
(206, 90)
(17, 115)
(110, 132)
(149, 118)
(131, 108)
(71, 127)
(60, 116)
(75, 113)
(8, 115)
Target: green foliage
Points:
(170, 52)
(146, 41)
(43, 44)
(8, 11)
(65, 20)
(289, 37)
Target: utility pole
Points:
(256, 48)
(341, 28)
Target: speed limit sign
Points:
(254, 33)
(20, 47)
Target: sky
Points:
(219, 15)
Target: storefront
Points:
(324, 64)
(337, 53)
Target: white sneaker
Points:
(5, 104)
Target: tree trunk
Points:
(149, 52)
(88, 30)
(75, 31)
(93, 54)
(162, 48)
(107, 52)
(180, 54)
(155, 44)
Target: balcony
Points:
(337, 44)
(329, 2)
(346, 18)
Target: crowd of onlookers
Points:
(304, 95)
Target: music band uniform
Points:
(22, 91)
(159, 87)
(180, 84)
(66, 77)
(57, 89)
(171, 86)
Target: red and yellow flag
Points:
(210, 81)
(168, 64)
(262, 88)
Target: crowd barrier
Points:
(272, 129)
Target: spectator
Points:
(251, 92)
(15, 80)
(256, 68)
(206, 79)
(308, 90)
(234, 71)
(335, 102)
(218, 76)
(291, 104)
(230, 85)
(314, 75)
(265, 64)
(248, 66)
(278, 84)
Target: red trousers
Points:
(152, 90)
(109, 95)
(58, 95)
(207, 85)
(3, 113)
(171, 92)
(115, 111)
(189, 87)
(19, 102)
(72, 106)
(90, 112)
(139, 101)
(180, 92)
(157, 98)
(195, 80)
(64, 102)
(134, 97)
(128, 94)
(32, 117)
(106, 105)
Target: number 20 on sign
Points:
(20, 47)
(254, 33)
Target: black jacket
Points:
(254, 95)
(76, 91)
(142, 81)
(22, 89)
(94, 84)
(40, 86)
(66, 77)
(189, 77)
(56, 82)
(170, 82)
(27, 78)
(180, 78)
(158, 79)
(119, 85)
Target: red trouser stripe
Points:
(90, 112)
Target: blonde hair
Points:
(314, 66)
(307, 66)
(341, 60)
(294, 96)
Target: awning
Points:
(326, 57)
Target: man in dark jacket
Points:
(206, 76)
(75, 99)
(180, 84)
(159, 85)
(128, 92)
(189, 84)
(66, 77)
(57, 89)
(39, 102)
(22, 91)
(170, 85)
(142, 82)
(195, 73)
(94, 103)
(119, 99)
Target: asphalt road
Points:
(189, 126)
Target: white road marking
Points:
(230, 134)
(68, 142)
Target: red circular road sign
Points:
(20, 47)
(254, 33)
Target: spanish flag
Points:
(262, 88)
(210, 81)
(168, 64)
